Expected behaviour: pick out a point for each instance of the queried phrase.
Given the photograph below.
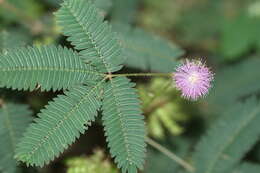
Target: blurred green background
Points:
(223, 33)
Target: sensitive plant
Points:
(90, 86)
(230, 144)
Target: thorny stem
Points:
(170, 154)
(140, 74)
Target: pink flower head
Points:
(193, 79)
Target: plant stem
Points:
(143, 74)
(170, 154)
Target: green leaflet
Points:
(81, 21)
(14, 118)
(124, 124)
(147, 52)
(49, 67)
(229, 139)
(59, 125)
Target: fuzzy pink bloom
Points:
(193, 79)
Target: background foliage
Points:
(217, 134)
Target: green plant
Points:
(89, 83)
(89, 86)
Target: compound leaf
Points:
(49, 67)
(124, 125)
(59, 125)
(81, 21)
